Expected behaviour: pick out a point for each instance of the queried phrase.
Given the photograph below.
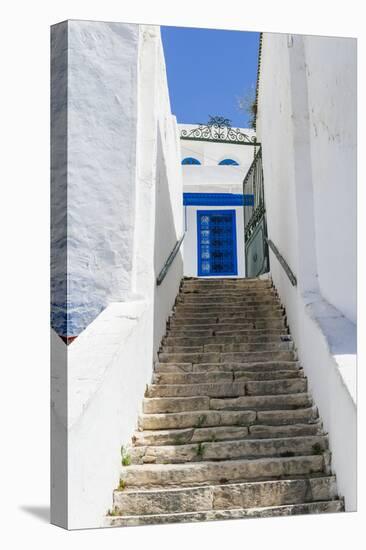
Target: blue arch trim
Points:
(217, 199)
(228, 162)
(190, 160)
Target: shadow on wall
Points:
(165, 240)
(58, 263)
(340, 332)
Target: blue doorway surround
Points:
(216, 243)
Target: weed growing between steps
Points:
(126, 457)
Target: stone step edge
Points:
(183, 348)
(313, 409)
(197, 397)
(170, 489)
(249, 364)
(217, 444)
(232, 373)
(207, 411)
(249, 437)
(220, 383)
(320, 506)
(225, 353)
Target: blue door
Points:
(216, 242)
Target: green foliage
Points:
(317, 449)
(248, 104)
(122, 485)
(126, 457)
(113, 512)
(200, 421)
(200, 449)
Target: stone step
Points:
(213, 330)
(280, 417)
(238, 285)
(276, 387)
(241, 339)
(174, 404)
(152, 405)
(229, 303)
(212, 418)
(223, 433)
(206, 472)
(227, 281)
(187, 390)
(320, 507)
(231, 389)
(260, 367)
(224, 325)
(227, 357)
(234, 325)
(234, 306)
(233, 298)
(223, 376)
(228, 496)
(246, 346)
(262, 402)
(230, 450)
(285, 430)
(255, 356)
(196, 419)
(212, 304)
(216, 313)
(230, 292)
(189, 435)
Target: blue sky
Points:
(208, 70)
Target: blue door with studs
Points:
(216, 243)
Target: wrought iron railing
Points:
(253, 185)
(160, 278)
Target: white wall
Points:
(332, 89)
(190, 240)
(306, 131)
(101, 159)
(213, 179)
(111, 361)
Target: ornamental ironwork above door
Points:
(218, 129)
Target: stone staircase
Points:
(228, 428)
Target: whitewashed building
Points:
(215, 160)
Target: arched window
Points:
(190, 160)
(228, 162)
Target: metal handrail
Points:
(160, 278)
(283, 262)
